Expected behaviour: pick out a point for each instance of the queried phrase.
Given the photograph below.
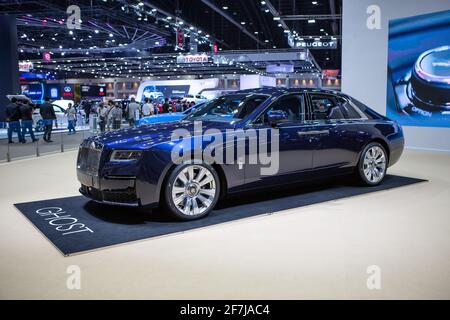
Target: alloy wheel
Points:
(194, 190)
(374, 165)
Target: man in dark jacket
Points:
(13, 119)
(26, 112)
(87, 110)
(166, 106)
(48, 116)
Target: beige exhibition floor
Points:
(320, 251)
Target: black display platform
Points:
(76, 224)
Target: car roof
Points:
(281, 91)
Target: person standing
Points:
(147, 108)
(133, 111)
(116, 116)
(13, 119)
(179, 106)
(26, 113)
(87, 110)
(184, 106)
(71, 113)
(108, 119)
(48, 116)
(166, 106)
(103, 117)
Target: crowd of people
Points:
(19, 115)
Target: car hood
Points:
(146, 136)
(161, 117)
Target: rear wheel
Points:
(372, 166)
(192, 191)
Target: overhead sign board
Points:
(67, 91)
(93, 90)
(25, 66)
(193, 58)
(316, 44)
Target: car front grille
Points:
(89, 157)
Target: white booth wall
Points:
(251, 81)
(365, 57)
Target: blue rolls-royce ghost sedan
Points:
(246, 140)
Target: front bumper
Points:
(109, 190)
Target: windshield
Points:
(229, 107)
(193, 108)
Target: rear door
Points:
(335, 132)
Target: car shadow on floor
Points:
(252, 203)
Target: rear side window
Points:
(348, 110)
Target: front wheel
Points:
(372, 166)
(192, 191)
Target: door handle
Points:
(313, 133)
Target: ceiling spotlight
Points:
(141, 4)
(96, 31)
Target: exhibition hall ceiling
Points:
(115, 38)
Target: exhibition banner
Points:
(418, 78)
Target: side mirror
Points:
(276, 116)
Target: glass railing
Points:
(61, 139)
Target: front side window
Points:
(293, 105)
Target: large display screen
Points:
(159, 93)
(419, 70)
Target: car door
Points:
(295, 148)
(335, 133)
(61, 118)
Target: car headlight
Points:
(125, 155)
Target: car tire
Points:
(372, 165)
(191, 191)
